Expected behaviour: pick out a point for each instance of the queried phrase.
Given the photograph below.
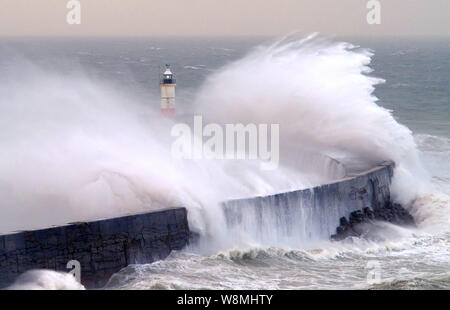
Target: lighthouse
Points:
(167, 84)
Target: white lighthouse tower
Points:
(167, 83)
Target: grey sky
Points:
(224, 17)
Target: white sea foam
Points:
(46, 280)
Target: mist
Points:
(75, 148)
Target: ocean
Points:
(81, 137)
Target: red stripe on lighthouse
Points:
(168, 112)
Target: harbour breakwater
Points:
(103, 247)
(318, 213)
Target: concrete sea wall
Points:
(102, 247)
(310, 214)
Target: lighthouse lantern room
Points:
(167, 83)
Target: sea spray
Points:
(321, 94)
(74, 148)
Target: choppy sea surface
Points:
(417, 75)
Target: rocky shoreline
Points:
(358, 222)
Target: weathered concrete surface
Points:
(310, 214)
(102, 247)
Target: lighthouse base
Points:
(168, 112)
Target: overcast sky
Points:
(223, 17)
